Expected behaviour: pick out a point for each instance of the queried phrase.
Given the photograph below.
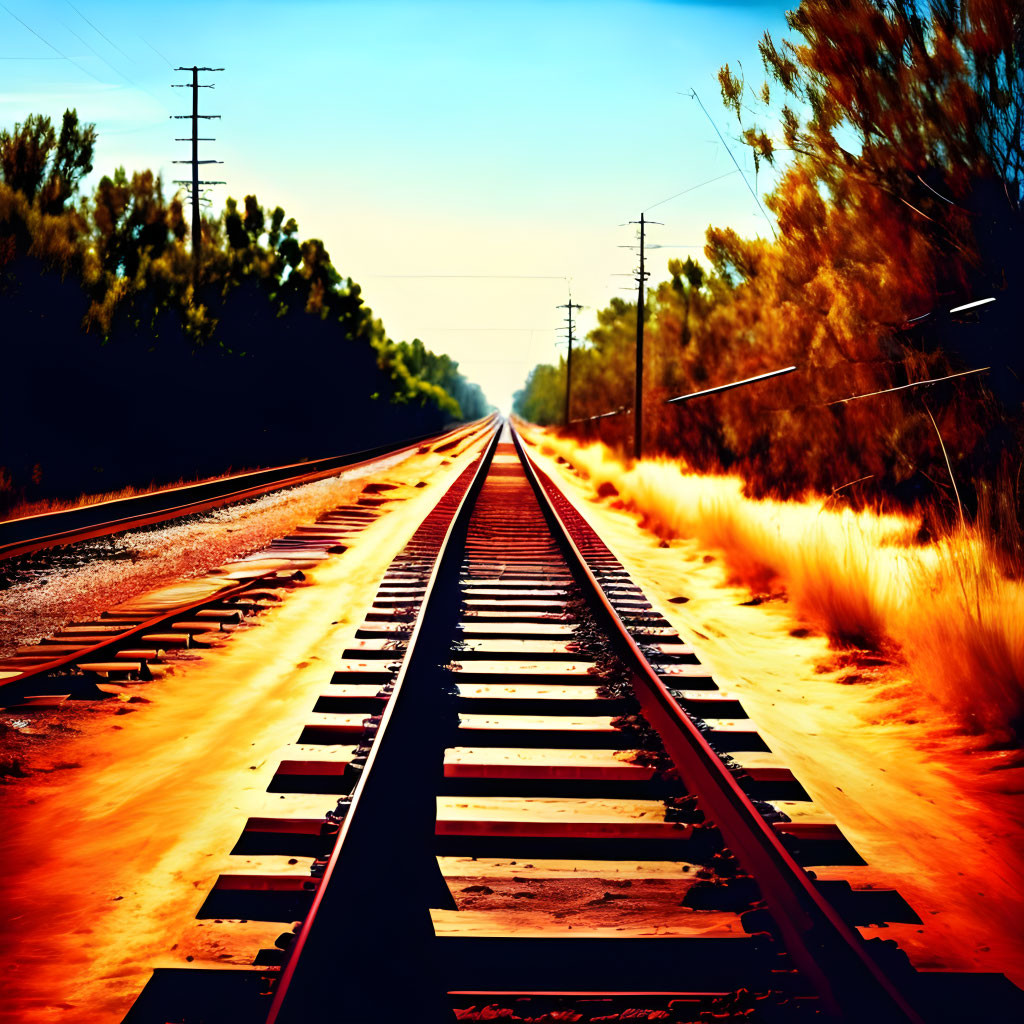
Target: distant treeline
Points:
(901, 197)
(117, 371)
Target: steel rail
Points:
(309, 975)
(11, 683)
(828, 952)
(23, 535)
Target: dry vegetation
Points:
(864, 578)
(897, 130)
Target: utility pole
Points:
(570, 306)
(196, 117)
(638, 401)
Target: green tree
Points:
(542, 398)
(106, 287)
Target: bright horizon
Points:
(466, 164)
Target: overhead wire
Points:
(486, 277)
(133, 84)
(98, 31)
(691, 189)
(64, 56)
(693, 95)
(157, 52)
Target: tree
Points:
(542, 398)
(98, 299)
(687, 281)
(917, 108)
(900, 194)
(44, 166)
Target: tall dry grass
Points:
(963, 636)
(861, 577)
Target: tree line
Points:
(898, 130)
(121, 368)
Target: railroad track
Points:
(135, 640)
(30, 534)
(520, 796)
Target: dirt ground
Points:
(125, 811)
(934, 812)
(43, 592)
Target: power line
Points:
(97, 31)
(623, 411)
(470, 277)
(63, 56)
(692, 188)
(157, 52)
(477, 330)
(86, 44)
(729, 387)
(971, 305)
(693, 95)
(135, 85)
(132, 131)
(197, 198)
(914, 384)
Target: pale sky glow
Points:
(422, 138)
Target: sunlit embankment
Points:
(860, 577)
(120, 815)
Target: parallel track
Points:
(130, 641)
(536, 813)
(71, 526)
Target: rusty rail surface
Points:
(849, 983)
(70, 526)
(520, 692)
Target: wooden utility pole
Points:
(195, 182)
(570, 306)
(638, 401)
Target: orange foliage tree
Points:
(900, 197)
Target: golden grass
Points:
(860, 577)
(963, 635)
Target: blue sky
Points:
(465, 162)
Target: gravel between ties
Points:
(42, 593)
